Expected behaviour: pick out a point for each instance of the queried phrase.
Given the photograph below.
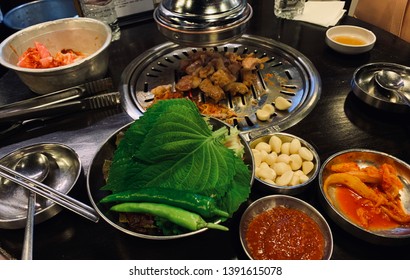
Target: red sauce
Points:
(362, 211)
(284, 234)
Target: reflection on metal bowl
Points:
(366, 158)
(95, 180)
(88, 36)
(37, 12)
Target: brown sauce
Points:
(285, 234)
(362, 211)
(349, 40)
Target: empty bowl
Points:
(350, 39)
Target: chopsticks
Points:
(50, 193)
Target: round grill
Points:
(287, 73)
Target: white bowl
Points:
(89, 36)
(350, 39)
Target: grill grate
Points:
(287, 73)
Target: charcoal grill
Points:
(287, 73)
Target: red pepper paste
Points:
(285, 234)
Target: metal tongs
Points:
(43, 190)
(92, 95)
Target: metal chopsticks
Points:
(50, 193)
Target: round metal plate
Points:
(288, 73)
(96, 180)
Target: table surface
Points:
(338, 122)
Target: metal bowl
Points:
(37, 12)
(268, 202)
(365, 87)
(95, 180)
(366, 158)
(289, 190)
(65, 169)
(89, 36)
(356, 40)
(203, 24)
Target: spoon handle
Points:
(27, 253)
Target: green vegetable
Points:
(181, 217)
(172, 146)
(202, 205)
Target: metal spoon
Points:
(391, 81)
(35, 166)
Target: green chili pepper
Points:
(203, 205)
(181, 217)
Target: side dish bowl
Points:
(276, 162)
(329, 198)
(273, 201)
(350, 39)
(88, 36)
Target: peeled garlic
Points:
(263, 146)
(282, 103)
(276, 144)
(262, 115)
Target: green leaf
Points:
(173, 146)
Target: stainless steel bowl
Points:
(365, 87)
(65, 169)
(38, 11)
(366, 158)
(268, 202)
(89, 36)
(289, 190)
(95, 180)
(201, 23)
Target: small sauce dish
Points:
(350, 39)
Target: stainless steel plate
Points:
(367, 158)
(95, 180)
(65, 169)
(365, 87)
(288, 73)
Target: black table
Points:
(339, 121)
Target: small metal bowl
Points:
(365, 87)
(366, 158)
(356, 40)
(268, 202)
(289, 190)
(38, 11)
(89, 36)
(65, 169)
(96, 180)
